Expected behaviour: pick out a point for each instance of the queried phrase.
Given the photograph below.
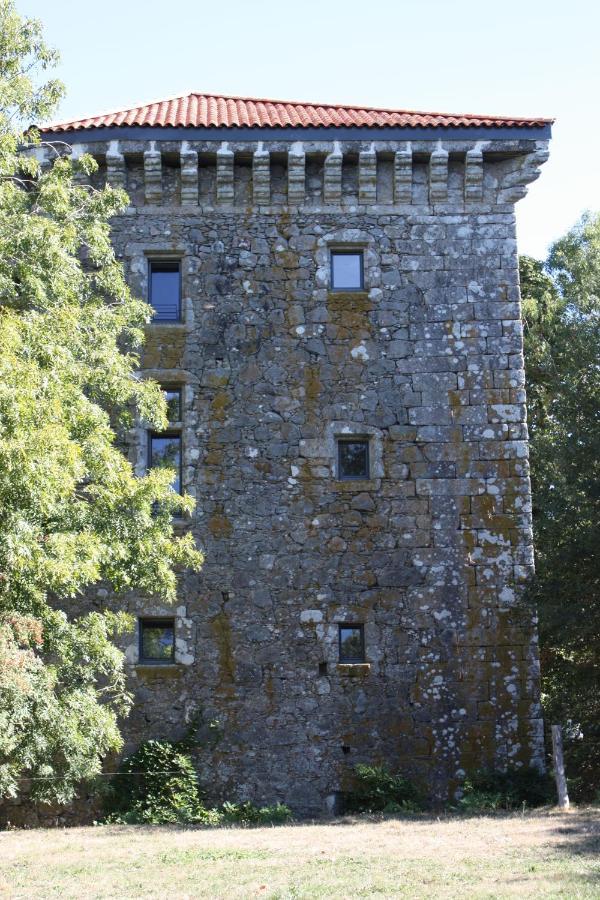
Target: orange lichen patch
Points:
(349, 311)
(312, 383)
(164, 347)
(221, 629)
(219, 404)
(219, 525)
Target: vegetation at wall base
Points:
(491, 790)
(158, 785)
(378, 790)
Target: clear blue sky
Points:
(513, 57)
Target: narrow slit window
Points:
(347, 270)
(173, 400)
(352, 643)
(164, 452)
(165, 291)
(353, 460)
(157, 640)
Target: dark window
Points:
(173, 401)
(157, 640)
(352, 643)
(164, 452)
(165, 291)
(347, 270)
(353, 459)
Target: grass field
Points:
(538, 854)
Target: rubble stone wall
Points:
(431, 551)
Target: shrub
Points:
(157, 785)
(512, 789)
(249, 814)
(377, 790)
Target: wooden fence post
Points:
(559, 767)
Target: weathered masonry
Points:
(338, 330)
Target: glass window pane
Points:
(351, 643)
(353, 459)
(165, 453)
(165, 291)
(157, 640)
(173, 401)
(346, 271)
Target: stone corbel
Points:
(261, 175)
(513, 186)
(332, 175)
(474, 174)
(225, 173)
(189, 175)
(115, 166)
(296, 173)
(153, 175)
(438, 175)
(403, 175)
(367, 176)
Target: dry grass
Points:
(539, 854)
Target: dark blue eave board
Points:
(170, 133)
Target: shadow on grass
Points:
(582, 834)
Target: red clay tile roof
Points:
(208, 110)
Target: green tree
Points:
(72, 512)
(561, 307)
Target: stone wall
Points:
(431, 551)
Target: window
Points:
(173, 401)
(352, 643)
(347, 270)
(353, 459)
(165, 291)
(164, 452)
(157, 640)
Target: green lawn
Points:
(539, 854)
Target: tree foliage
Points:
(72, 511)
(561, 307)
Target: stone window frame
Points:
(172, 379)
(149, 620)
(184, 636)
(350, 240)
(345, 250)
(169, 432)
(346, 430)
(360, 626)
(139, 266)
(357, 439)
(172, 262)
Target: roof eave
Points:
(299, 133)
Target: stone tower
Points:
(338, 330)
